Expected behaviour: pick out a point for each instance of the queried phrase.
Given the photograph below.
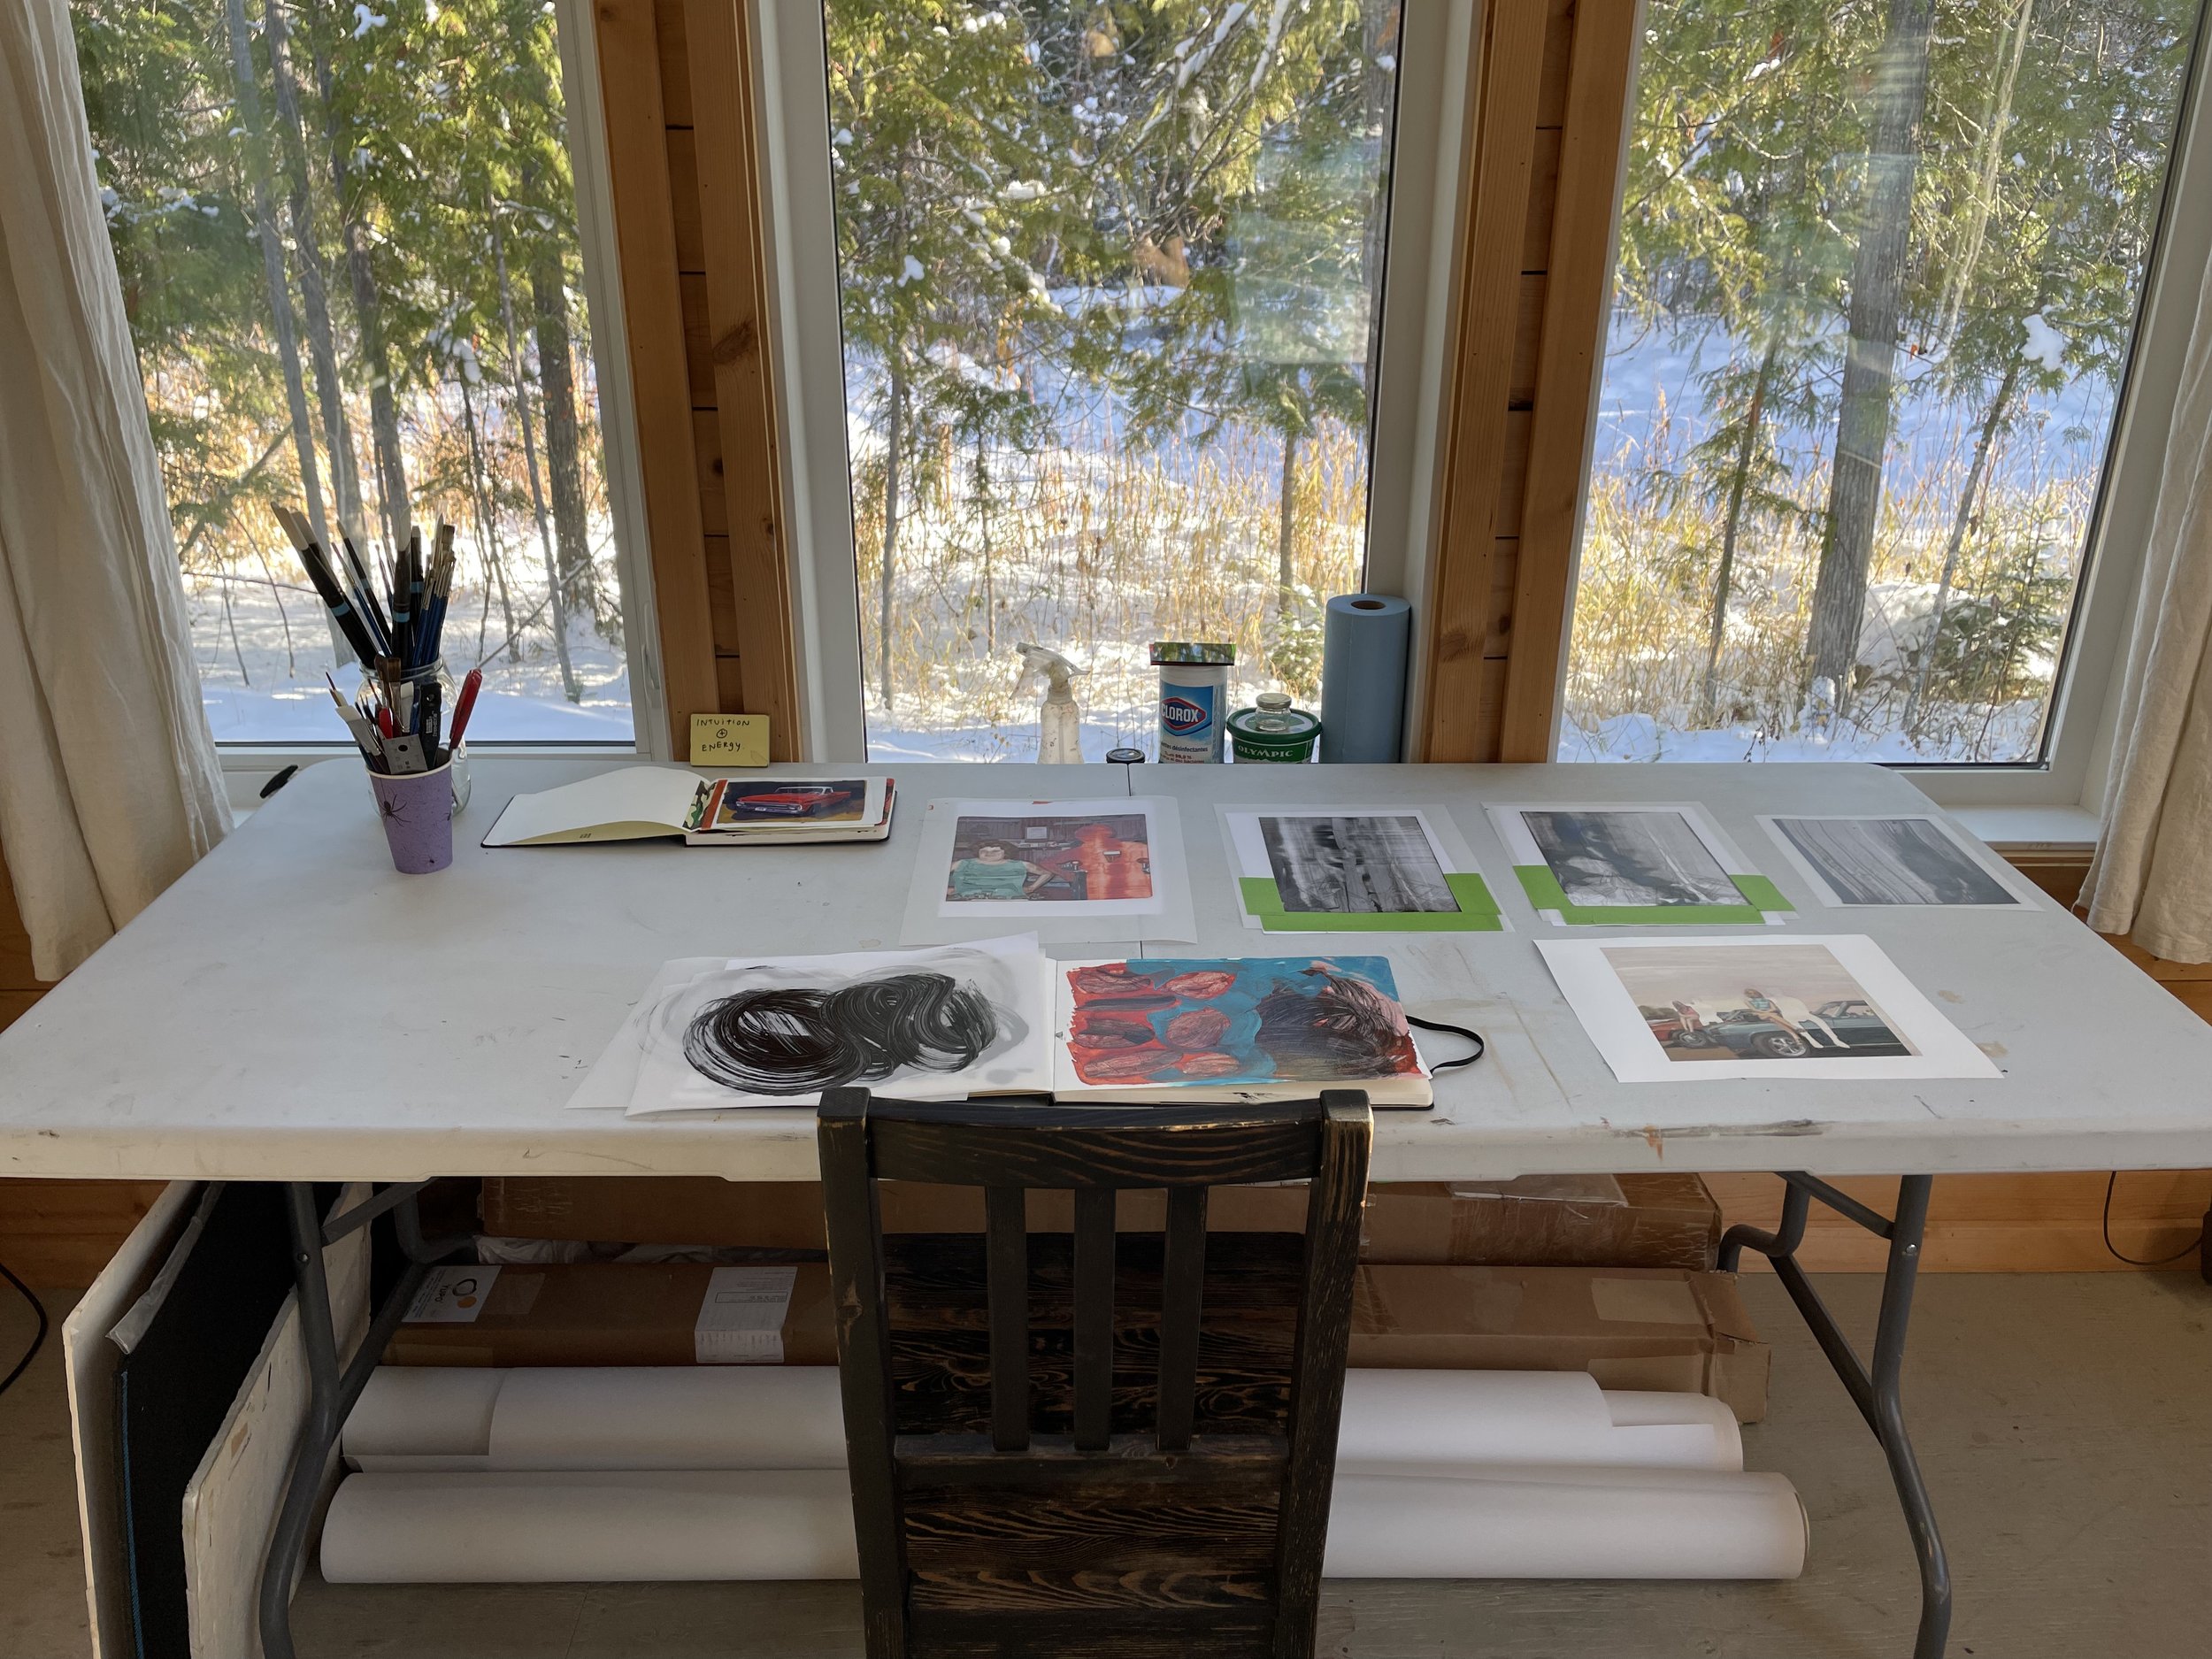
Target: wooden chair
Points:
(1041, 1470)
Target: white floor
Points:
(2065, 1422)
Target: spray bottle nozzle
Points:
(1057, 671)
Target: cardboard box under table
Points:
(620, 1314)
(1629, 1328)
(1643, 1221)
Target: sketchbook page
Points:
(626, 803)
(904, 1022)
(612, 1079)
(1240, 1028)
(1363, 870)
(1666, 1010)
(1894, 858)
(1078, 872)
(1633, 863)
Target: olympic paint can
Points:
(1194, 698)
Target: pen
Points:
(465, 707)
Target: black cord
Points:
(2189, 1249)
(37, 1342)
(1475, 1037)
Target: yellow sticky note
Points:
(729, 739)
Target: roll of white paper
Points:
(670, 1525)
(670, 1416)
(424, 1410)
(790, 1417)
(604, 1527)
(1529, 1523)
(1531, 1416)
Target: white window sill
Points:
(2043, 828)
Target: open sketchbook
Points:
(952, 1022)
(640, 802)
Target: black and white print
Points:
(1355, 864)
(1603, 859)
(1902, 860)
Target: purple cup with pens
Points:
(405, 719)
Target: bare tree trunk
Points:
(284, 616)
(488, 548)
(1285, 527)
(1976, 470)
(1996, 116)
(895, 440)
(345, 479)
(368, 316)
(1870, 368)
(1726, 575)
(272, 272)
(564, 445)
(554, 602)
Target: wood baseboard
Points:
(1998, 1224)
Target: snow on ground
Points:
(277, 694)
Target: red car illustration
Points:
(801, 799)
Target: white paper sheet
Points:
(677, 1526)
(1831, 994)
(612, 1079)
(649, 1050)
(1046, 836)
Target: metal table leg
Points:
(1874, 1390)
(331, 1389)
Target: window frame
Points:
(2060, 798)
(247, 765)
(1436, 79)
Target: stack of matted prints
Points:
(738, 1472)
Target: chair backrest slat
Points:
(1006, 1257)
(1182, 1289)
(1094, 1317)
(1263, 1143)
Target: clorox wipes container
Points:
(1194, 698)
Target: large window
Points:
(348, 248)
(1110, 275)
(1879, 273)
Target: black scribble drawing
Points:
(791, 1040)
(1355, 865)
(1638, 859)
(1892, 861)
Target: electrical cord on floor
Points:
(2189, 1249)
(37, 1342)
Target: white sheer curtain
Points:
(2153, 872)
(109, 783)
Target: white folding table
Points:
(293, 1010)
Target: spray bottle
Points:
(1059, 722)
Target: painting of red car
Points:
(772, 799)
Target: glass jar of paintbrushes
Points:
(406, 717)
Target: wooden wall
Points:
(1545, 132)
(677, 81)
(54, 1232)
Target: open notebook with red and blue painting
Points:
(998, 1017)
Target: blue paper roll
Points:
(1364, 647)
